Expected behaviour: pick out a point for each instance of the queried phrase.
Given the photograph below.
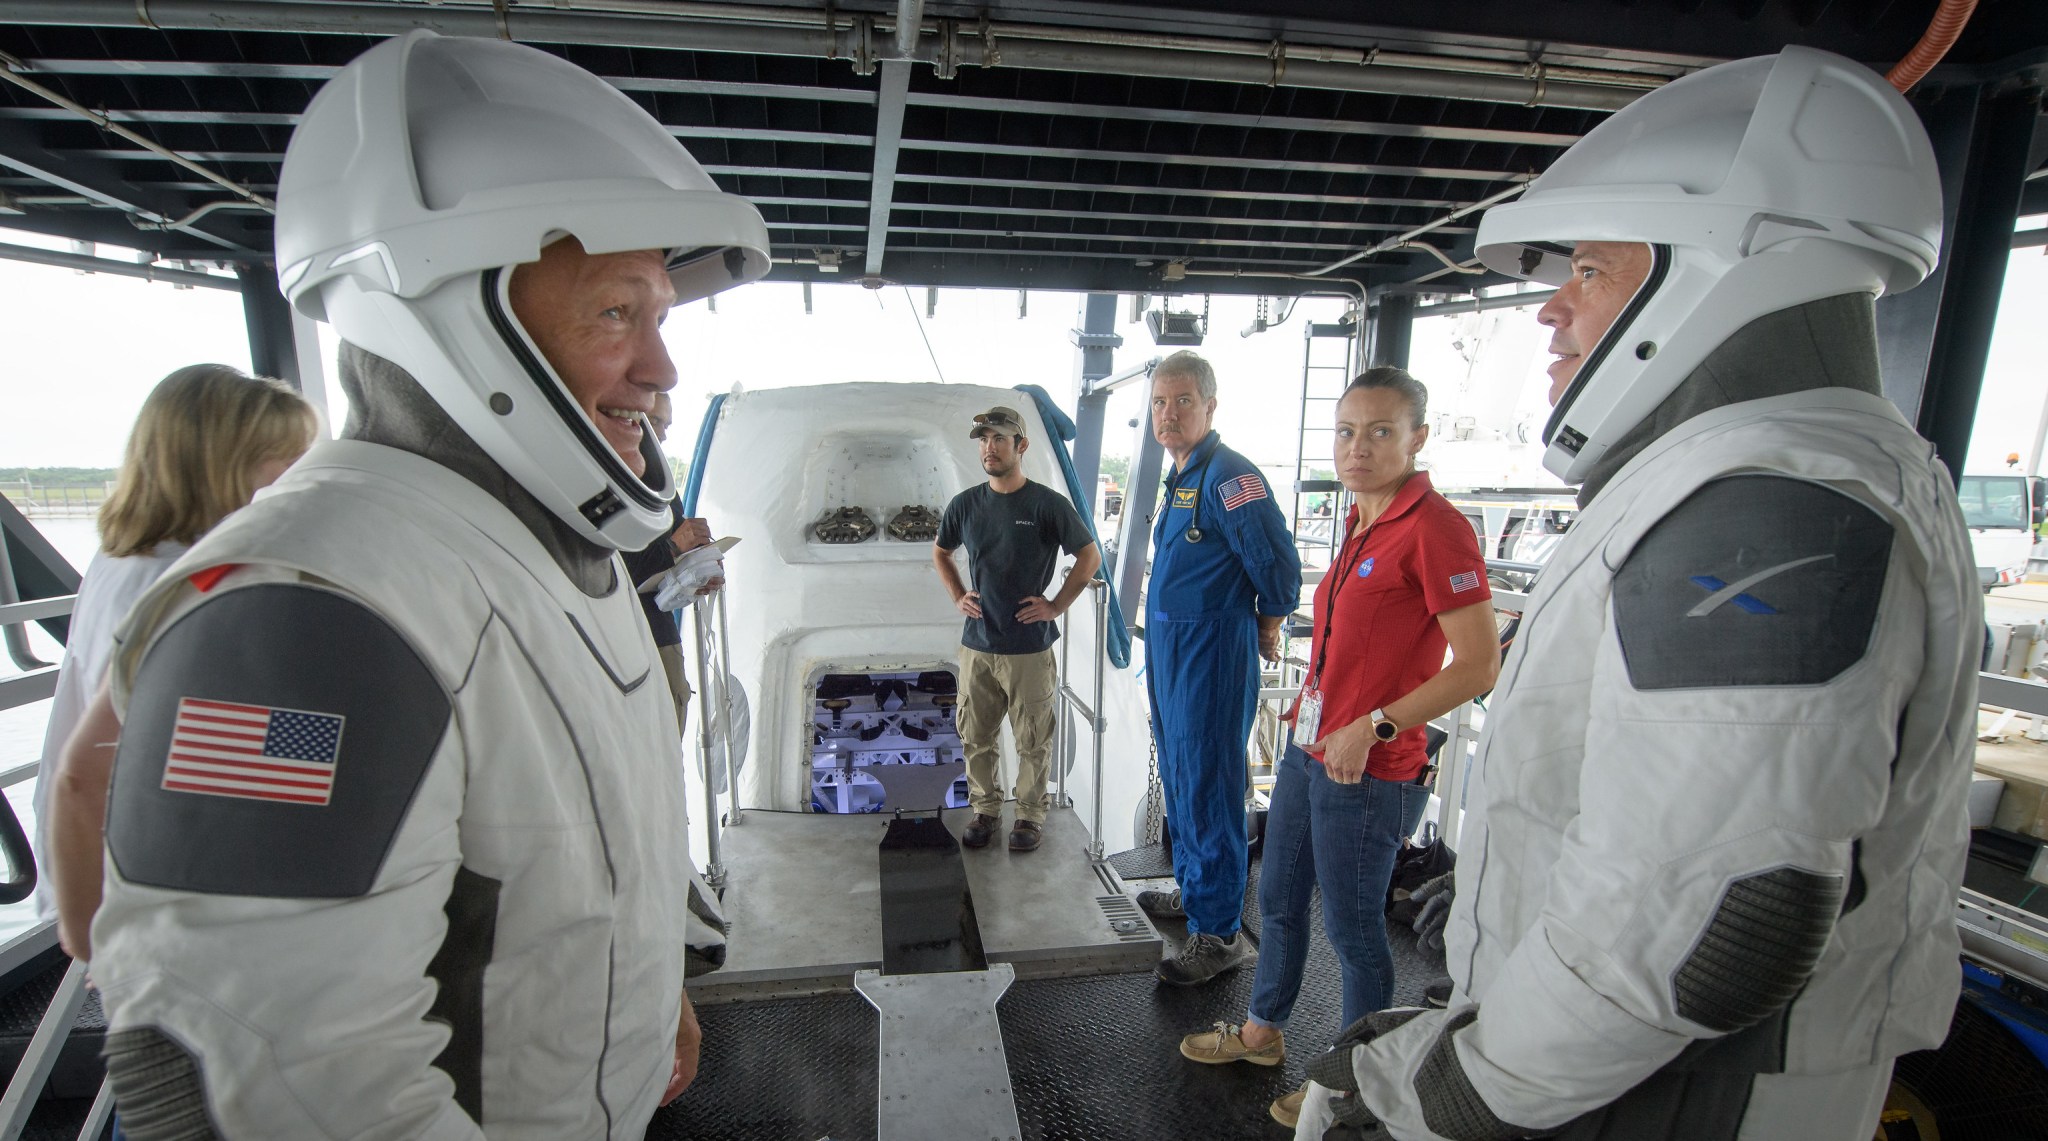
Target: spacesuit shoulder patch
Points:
(1754, 580)
(274, 738)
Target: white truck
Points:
(2001, 511)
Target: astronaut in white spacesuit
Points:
(1716, 825)
(397, 841)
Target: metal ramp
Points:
(803, 898)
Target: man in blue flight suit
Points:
(1225, 574)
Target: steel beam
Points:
(1200, 118)
(1481, 304)
(321, 72)
(273, 344)
(1934, 340)
(65, 259)
(888, 137)
(1141, 504)
(1393, 324)
(1126, 255)
(1253, 241)
(1170, 219)
(92, 178)
(211, 118)
(1222, 162)
(1168, 191)
(1095, 343)
(818, 40)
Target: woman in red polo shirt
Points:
(1408, 583)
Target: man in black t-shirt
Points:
(1013, 530)
(659, 556)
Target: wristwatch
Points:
(1382, 728)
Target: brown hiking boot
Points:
(978, 830)
(1025, 834)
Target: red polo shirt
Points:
(1376, 633)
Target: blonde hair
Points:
(195, 446)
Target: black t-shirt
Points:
(1013, 542)
(644, 564)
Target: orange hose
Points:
(1940, 36)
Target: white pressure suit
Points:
(481, 930)
(1716, 824)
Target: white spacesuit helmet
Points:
(431, 165)
(1760, 185)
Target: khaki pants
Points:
(1020, 685)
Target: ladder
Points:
(1316, 519)
(1319, 500)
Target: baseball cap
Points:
(1001, 420)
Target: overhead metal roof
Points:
(1038, 144)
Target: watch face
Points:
(1385, 730)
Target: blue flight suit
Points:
(1202, 663)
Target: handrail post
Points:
(732, 772)
(714, 874)
(14, 634)
(1063, 718)
(1101, 589)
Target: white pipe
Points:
(1410, 235)
(909, 23)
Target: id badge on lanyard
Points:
(1308, 720)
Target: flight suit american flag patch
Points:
(1240, 491)
(253, 752)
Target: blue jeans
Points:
(1342, 837)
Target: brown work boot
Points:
(1287, 1109)
(1226, 1043)
(1025, 834)
(978, 830)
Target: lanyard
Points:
(1330, 611)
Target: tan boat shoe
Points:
(1287, 1109)
(1226, 1044)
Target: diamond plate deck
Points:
(1091, 1059)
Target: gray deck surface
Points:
(802, 899)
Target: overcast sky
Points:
(83, 349)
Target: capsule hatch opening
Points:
(886, 740)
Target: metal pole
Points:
(1065, 721)
(15, 633)
(41, 1055)
(715, 873)
(1101, 590)
(732, 773)
(102, 1109)
(1451, 774)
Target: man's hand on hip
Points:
(1037, 609)
(969, 603)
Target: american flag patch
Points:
(1460, 583)
(253, 752)
(1240, 491)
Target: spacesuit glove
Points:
(1334, 1070)
(1435, 911)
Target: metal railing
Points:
(707, 620)
(1070, 705)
